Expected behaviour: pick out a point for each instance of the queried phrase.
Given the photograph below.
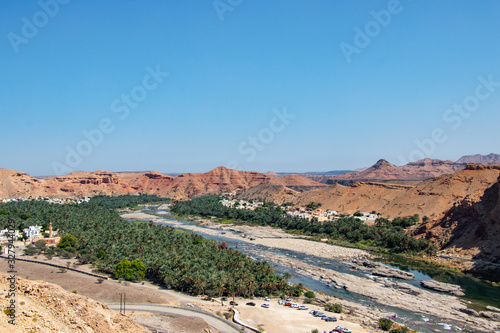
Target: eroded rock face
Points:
(442, 287)
(380, 269)
(471, 228)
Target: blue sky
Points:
(254, 85)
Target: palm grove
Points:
(137, 249)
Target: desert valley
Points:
(455, 207)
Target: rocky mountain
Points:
(480, 159)
(46, 307)
(432, 197)
(471, 227)
(14, 184)
(419, 170)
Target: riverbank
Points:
(266, 236)
(382, 291)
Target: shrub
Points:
(74, 291)
(309, 294)
(385, 324)
(337, 308)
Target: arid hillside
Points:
(470, 228)
(431, 197)
(45, 307)
(14, 184)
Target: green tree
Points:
(130, 270)
(67, 240)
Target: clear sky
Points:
(291, 85)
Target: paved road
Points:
(222, 325)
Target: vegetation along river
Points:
(475, 290)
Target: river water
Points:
(415, 321)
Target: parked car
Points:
(251, 304)
(329, 319)
(265, 305)
(223, 299)
(313, 312)
(233, 303)
(343, 329)
(294, 305)
(319, 314)
(288, 304)
(335, 331)
(267, 299)
(302, 307)
(288, 299)
(281, 302)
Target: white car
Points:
(265, 305)
(294, 305)
(267, 299)
(343, 329)
(281, 302)
(302, 307)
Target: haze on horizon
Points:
(286, 86)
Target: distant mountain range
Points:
(419, 170)
(15, 184)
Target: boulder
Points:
(491, 315)
(380, 269)
(442, 287)
(470, 312)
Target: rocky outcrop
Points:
(442, 287)
(471, 228)
(380, 269)
(46, 307)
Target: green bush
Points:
(130, 270)
(385, 324)
(337, 308)
(309, 294)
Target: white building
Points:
(4, 235)
(33, 232)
